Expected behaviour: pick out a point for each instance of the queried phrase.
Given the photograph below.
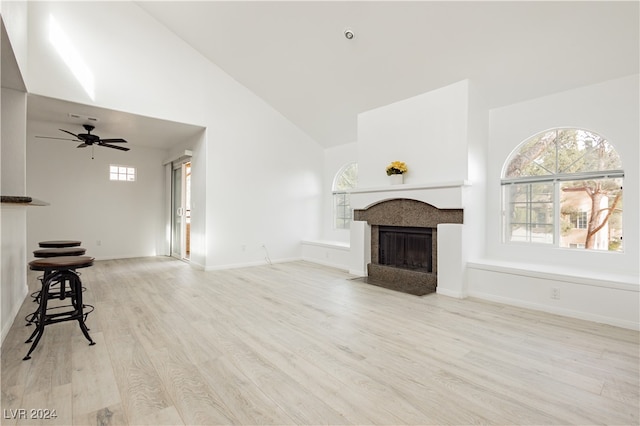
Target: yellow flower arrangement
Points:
(396, 168)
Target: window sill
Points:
(614, 281)
(328, 244)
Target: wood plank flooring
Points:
(298, 343)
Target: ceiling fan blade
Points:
(118, 140)
(82, 145)
(121, 148)
(72, 134)
(61, 139)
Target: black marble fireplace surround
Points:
(405, 256)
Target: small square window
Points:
(122, 173)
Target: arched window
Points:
(563, 187)
(345, 179)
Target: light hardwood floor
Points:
(298, 343)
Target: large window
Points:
(345, 179)
(563, 187)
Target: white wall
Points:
(112, 219)
(610, 109)
(263, 178)
(13, 271)
(428, 132)
(594, 285)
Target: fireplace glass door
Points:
(405, 247)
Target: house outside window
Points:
(345, 179)
(563, 187)
(581, 220)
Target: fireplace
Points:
(404, 249)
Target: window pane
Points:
(342, 211)
(530, 212)
(346, 178)
(122, 173)
(584, 151)
(581, 226)
(536, 157)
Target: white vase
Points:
(396, 179)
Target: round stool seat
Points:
(61, 263)
(59, 243)
(56, 252)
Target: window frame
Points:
(556, 179)
(126, 173)
(341, 199)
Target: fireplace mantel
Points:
(405, 187)
(443, 195)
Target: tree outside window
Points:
(345, 179)
(564, 187)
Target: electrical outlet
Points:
(98, 243)
(243, 247)
(555, 293)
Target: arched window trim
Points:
(552, 174)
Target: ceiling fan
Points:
(87, 139)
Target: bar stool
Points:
(58, 269)
(52, 252)
(59, 251)
(59, 243)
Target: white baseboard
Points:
(451, 293)
(557, 310)
(250, 264)
(326, 263)
(14, 314)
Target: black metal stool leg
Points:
(77, 296)
(40, 318)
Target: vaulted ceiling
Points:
(294, 54)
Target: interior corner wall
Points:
(14, 18)
(475, 194)
(415, 131)
(13, 270)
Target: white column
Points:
(451, 262)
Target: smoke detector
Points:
(349, 34)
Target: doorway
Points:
(181, 210)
